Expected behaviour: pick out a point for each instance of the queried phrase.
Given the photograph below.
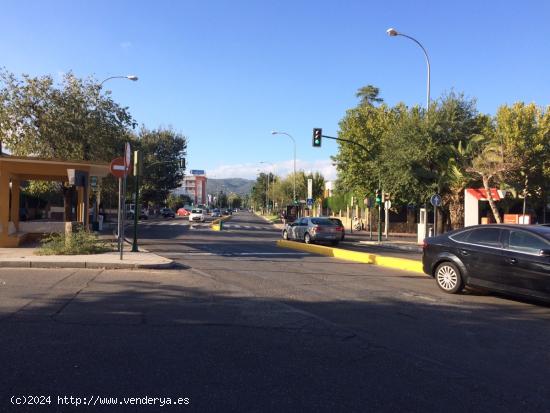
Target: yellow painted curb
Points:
(216, 224)
(356, 256)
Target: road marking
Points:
(230, 254)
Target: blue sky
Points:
(226, 73)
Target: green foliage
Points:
(72, 121)
(175, 202)
(161, 149)
(81, 242)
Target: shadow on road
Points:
(166, 335)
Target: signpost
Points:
(435, 200)
(387, 206)
(120, 167)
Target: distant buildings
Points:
(194, 186)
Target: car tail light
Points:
(424, 244)
(339, 228)
(318, 228)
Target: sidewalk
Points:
(26, 258)
(402, 242)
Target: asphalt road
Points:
(246, 326)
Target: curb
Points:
(355, 256)
(84, 264)
(278, 226)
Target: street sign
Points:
(127, 155)
(387, 204)
(435, 200)
(117, 167)
(309, 202)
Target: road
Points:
(245, 326)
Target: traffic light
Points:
(386, 196)
(378, 197)
(317, 134)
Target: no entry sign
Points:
(117, 167)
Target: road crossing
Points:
(206, 225)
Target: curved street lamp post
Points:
(290, 136)
(392, 33)
(122, 190)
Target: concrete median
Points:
(217, 225)
(356, 256)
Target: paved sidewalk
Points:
(26, 258)
(402, 242)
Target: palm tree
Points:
(368, 95)
(456, 177)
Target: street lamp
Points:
(133, 78)
(290, 136)
(392, 33)
(122, 203)
(272, 189)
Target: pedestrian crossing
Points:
(207, 226)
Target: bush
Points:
(81, 242)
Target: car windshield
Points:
(322, 221)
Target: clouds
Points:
(251, 170)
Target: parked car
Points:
(226, 212)
(142, 214)
(167, 213)
(339, 223)
(313, 229)
(196, 215)
(182, 212)
(216, 213)
(507, 258)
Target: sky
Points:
(227, 73)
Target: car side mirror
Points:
(544, 253)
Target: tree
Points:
(359, 171)
(368, 95)
(524, 133)
(176, 202)
(72, 121)
(162, 150)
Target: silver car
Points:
(313, 229)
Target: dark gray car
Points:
(313, 229)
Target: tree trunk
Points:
(456, 210)
(492, 204)
(525, 192)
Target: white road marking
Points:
(168, 253)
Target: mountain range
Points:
(239, 186)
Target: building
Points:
(194, 186)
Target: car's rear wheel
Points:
(448, 278)
(285, 235)
(307, 238)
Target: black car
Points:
(507, 258)
(167, 213)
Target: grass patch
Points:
(81, 242)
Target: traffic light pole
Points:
(379, 223)
(379, 204)
(137, 206)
